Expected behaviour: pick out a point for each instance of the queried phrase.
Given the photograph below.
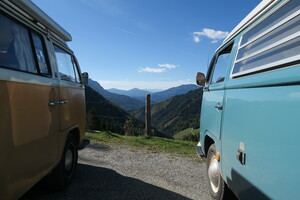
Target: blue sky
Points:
(146, 44)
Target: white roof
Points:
(253, 15)
(30, 8)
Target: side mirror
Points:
(85, 78)
(200, 79)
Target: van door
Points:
(213, 95)
(71, 91)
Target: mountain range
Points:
(135, 92)
(156, 97)
(133, 99)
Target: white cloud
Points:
(163, 68)
(169, 66)
(127, 85)
(151, 70)
(129, 32)
(196, 38)
(211, 34)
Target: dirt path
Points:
(121, 173)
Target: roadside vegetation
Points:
(189, 134)
(151, 144)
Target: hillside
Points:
(175, 114)
(104, 115)
(189, 134)
(125, 102)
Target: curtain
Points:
(22, 48)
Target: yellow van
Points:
(42, 102)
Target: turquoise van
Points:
(250, 115)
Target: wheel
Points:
(64, 172)
(217, 187)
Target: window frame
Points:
(76, 69)
(73, 63)
(211, 69)
(287, 62)
(30, 30)
(49, 74)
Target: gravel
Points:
(111, 172)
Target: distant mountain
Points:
(104, 115)
(153, 90)
(175, 114)
(166, 94)
(135, 92)
(156, 97)
(125, 102)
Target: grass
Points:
(152, 144)
(186, 132)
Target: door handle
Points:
(63, 102)
(53, 103)
(219, 107)
(241, 156)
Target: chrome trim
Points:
(54, 103)
(266, 66)
(63, 102)
(219, 107)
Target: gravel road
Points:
(106, 172)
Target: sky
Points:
(146, 44)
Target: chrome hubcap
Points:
(214, 174)
(68, 159)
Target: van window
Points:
(221, 65)
(15, 46)
(40, 55)
(65, 65)
(274, 42)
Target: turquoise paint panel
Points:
(267, 121)
(211, 118)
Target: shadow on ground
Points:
(93, 182)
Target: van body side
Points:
(249, 117)
(42, 104)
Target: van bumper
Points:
(84, 143)
(199, 150)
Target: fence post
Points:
(148, 115)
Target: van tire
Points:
(62, 176)
(217, 187)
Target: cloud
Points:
(211, 34)
(152, 70)
(169, 66)
(196, 38)
(128, 32)
(163, 68)
(127, 85)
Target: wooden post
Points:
(148, 115)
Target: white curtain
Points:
(22, 48)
